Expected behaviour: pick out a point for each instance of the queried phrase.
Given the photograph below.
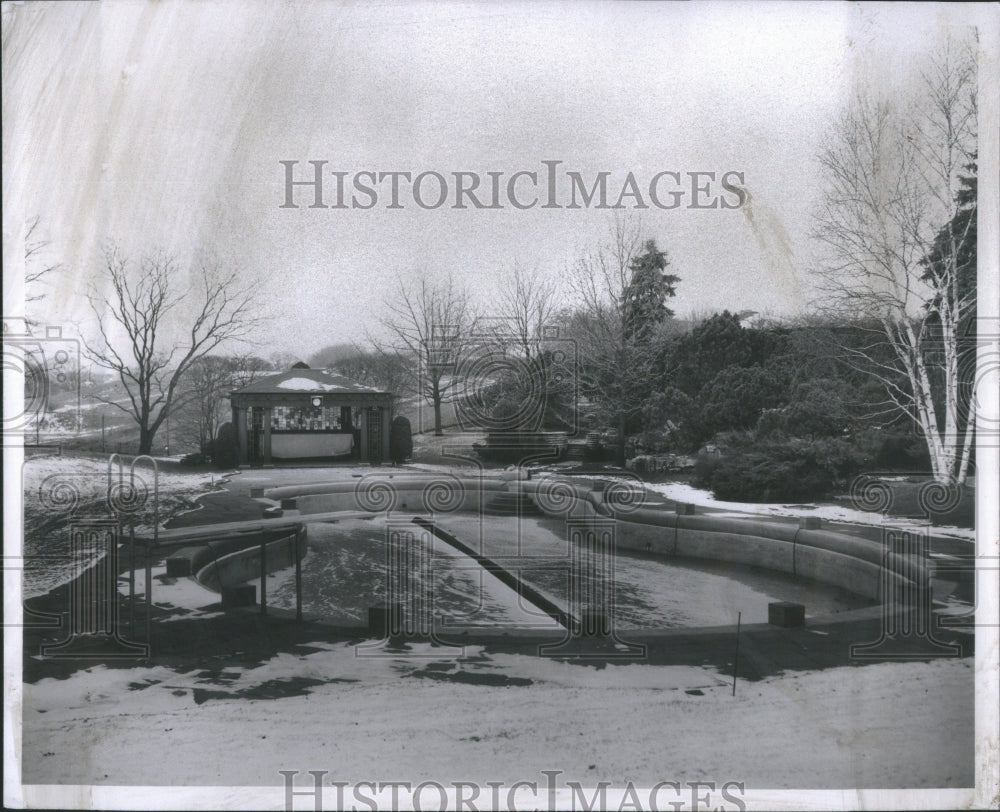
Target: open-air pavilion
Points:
(311, 414)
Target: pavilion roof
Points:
(302, 380)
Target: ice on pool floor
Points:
(345, 573)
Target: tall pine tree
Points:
(644, 304)
(952, 258)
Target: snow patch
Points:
(912, 721)
(682, 492)
(309, 385)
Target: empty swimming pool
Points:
(346, 571)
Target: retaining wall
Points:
(229, 561)
(841, 560)
(412, 493)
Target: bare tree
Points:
(430, 323)
(141, 311)
(893, 173)
(613, 365)
(525, 363)
(247, 368)
(526, 304)
(282, 359)
(36, 267)
(201, 404)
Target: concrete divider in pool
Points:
(519, 585)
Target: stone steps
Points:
(512, 504)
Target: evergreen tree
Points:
(644, 304)
(952, 258)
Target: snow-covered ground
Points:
(186, 597)
(57, 489)
(683, 492)
(91, 476)
(413, 717)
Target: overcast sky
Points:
(161, 125)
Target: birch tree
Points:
(893, 175)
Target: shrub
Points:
(786, 470)
(816, 409)
(705, 466)
(400, 440)
(896, 450)
(519, 439)
(597, 450)
(657, 464)
(226, 447)
(735, 398)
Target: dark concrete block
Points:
(289, 504)
(786, 614)
(178, 566)
(234, 597)
(181, 563)
(256, 493)
(685, 509)
(385, 621)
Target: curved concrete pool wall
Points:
(228, 560)
(412, 493)
(835, 558)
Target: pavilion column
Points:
(363, 426)
(386, 429)
(240, 424)
(267, 434)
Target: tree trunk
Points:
(146, 440)
(438, 431)
(970, 430)
(620, 451)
